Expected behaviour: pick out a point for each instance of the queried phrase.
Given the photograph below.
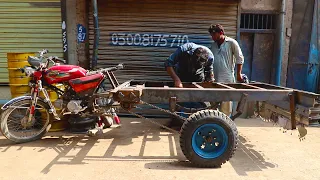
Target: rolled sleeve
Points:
(173, 58)
(237, 52)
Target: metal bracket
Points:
(240, 107)
(292, 98)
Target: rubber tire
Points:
(205, 117)
(179, 122)
(4, 127)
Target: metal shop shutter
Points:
(29, 26)
(143, 33)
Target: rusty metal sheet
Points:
(247, 48)
(300, 44)
(262, 59)
(312, 79)
(142, 34)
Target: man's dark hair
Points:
(215, 28)
(201, 54)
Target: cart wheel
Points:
(209, 138)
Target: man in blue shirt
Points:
(190, 63)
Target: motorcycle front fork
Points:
(34, 98)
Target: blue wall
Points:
(303, 68)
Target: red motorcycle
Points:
(82, 102)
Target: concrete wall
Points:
(76, 14)
(71, 31)
(258, 5)
(288, 22)
(82, 18)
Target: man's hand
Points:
(239, 78)
(210, 80)
(177, 83)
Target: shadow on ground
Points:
(246, 158)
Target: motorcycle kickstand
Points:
(97, 130)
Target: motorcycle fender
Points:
(17, 99)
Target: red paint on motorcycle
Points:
(116, 118)
(62, 73)
(37, 75)
(85, 83)
(32, 110)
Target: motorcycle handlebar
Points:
(119, 66)
(59, 60)
(44, 51)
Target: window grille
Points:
(258, 21)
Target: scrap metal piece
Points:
(240, 107)
(302, 132)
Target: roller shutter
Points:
(28, 26)
(143, 33)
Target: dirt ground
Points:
(144, 151)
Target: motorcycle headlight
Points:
(29, 71)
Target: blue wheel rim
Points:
(209, 141)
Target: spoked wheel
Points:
(209, 138)
(15, 125)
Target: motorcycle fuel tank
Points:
(62, 73)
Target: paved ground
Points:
(144, 151)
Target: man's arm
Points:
(239, 70)
(239, 58)
(173, 75)
(171, 61)
(209, 76)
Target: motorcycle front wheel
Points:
(15, 126)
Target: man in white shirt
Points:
(227, 54)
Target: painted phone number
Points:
(155, 40)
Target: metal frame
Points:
(299, 106)
(160, 92)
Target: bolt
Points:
(213, 130)
(199, 133)
(216, 143)
(203, 146)
(209, 133)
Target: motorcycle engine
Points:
(74, 106)
(103, 101)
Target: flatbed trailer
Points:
(208, 137)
